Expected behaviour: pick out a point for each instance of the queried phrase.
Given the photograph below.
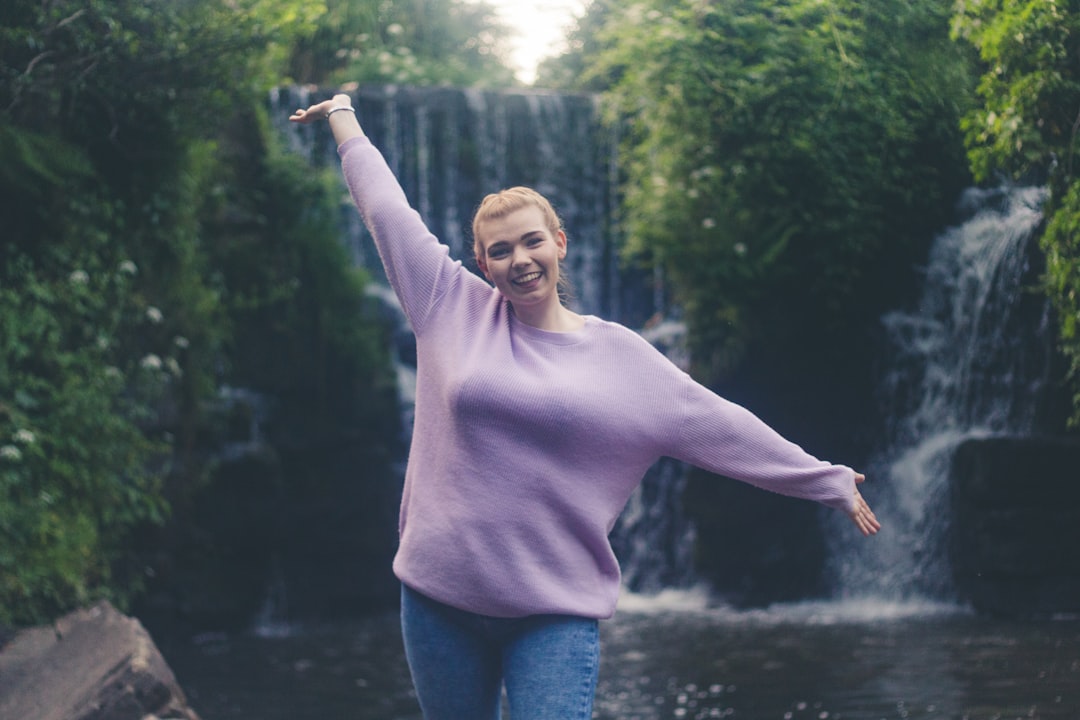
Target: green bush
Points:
(118, 321)
(77, 469)
(1025, 128)
(782, 160)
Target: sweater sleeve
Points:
(418, 266)
(727, 439)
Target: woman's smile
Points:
(529, 278)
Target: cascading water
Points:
(971, 361)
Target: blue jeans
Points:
(460, 662)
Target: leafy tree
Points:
(569, 71)
(782, 159)
(1026, 127)
(110, 329)
(416, 42)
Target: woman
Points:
(533, 426)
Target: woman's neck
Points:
(552, 318)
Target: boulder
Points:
(93, 664)
(747, 562)
(1015, 531)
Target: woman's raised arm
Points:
(338, 110)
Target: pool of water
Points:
(673, 657)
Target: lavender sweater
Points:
(527, 443)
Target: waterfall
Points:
(970, 361)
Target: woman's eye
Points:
(534, 241)
(496, 254)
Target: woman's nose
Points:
(521, 256)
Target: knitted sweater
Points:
(528, 443)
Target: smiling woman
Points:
(533, 427)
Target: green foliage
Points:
(416, 42)
(77, 470)
(304, 331)
(568, 71)
(1026, 128)
(770, 142)
(118, 321)
(1030, 88)
(1061, 242)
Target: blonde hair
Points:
(500, 204)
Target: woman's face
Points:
(520, 254)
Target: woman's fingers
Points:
(863, 517)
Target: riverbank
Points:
(676, 658)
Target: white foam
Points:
(697, 600)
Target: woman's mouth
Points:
(527, 278)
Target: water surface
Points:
(664, 659)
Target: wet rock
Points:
(1015, 534)
(747, 562)
(93, 664)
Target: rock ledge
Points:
(93, 664)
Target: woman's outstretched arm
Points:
(338, 110)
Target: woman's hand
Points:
(862, 515)
(316, 112)
(343, 124)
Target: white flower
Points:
(708, 223)
(113, 372)
(24, 436)
(740, 249)
(181, 342)
(154, 315)
(151, 362)
(173, 366)
(395, 29)
(79, 277)
(10, 452)
(128, 268)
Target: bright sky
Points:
(540, 30)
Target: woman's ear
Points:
(560, 241)
(480, 263)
